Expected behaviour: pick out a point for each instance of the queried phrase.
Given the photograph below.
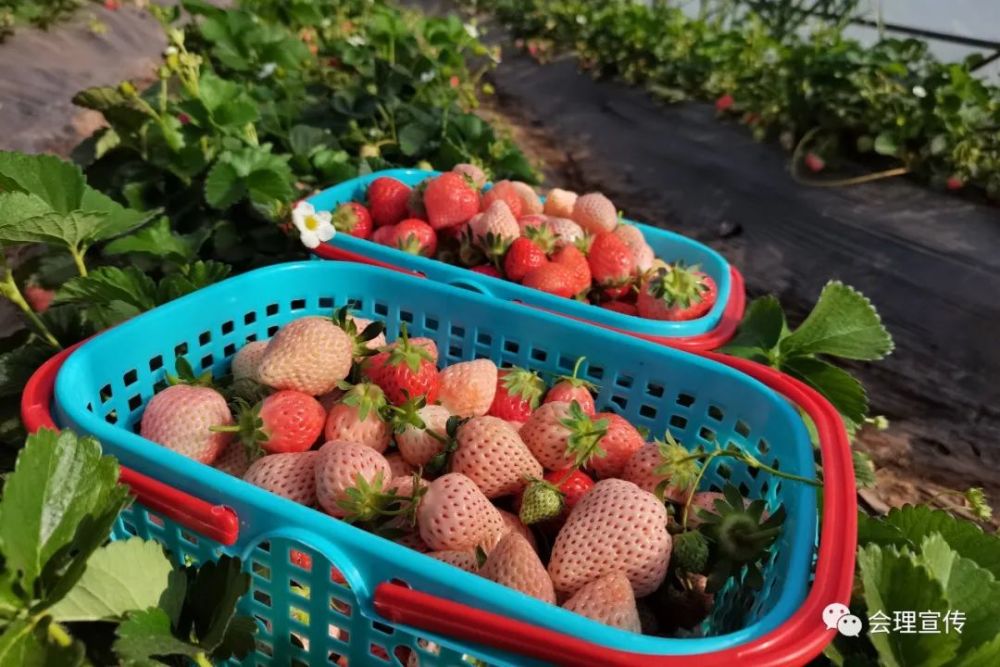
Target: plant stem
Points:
(59, 635)
(78, 260)
(839, 182)
(694, 487)
(202, 660)
(9, 289)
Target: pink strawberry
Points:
(569, 388)
(463, 560)
(642, 254)
(641, 471)
(420, 432)
(412, 540)
(561, 435)
(515, 564)
(468, 387)
(492, 455)
(387, 200)
(286, 421)
(531, 204)
(566, 231)
(519, 392)
(532, 221)
(814, 162)
(450, 199)
(610, 260)
(180, 418)
(342, 466)
(522, 256)
(365, 336)
(354, 219)
(617, 527)
(494, 230)
(38, 297)
(607, 600)
(415, 237)
(676, 293)
(472, 172)
(384, 235)
(455, 515)
(233, 459)
(552, 278)
(399, 467)
(247, 360)
(358, 418)
(574, 260)
(506, 192)
(621, 441)
(403, 372)
(513, 524)
(595, 213)
(559, 203)
(291, 475)
(310, 354)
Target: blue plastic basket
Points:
(306, 615)
(667, 245)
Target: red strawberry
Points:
(181, 417)
(38, 298)
(515, 564)
(492, 454)
(506, 192)
(560, 203)
(595, 213)
(403, 372)
(569, 388)
(342, 466)
(572, 483)
(552, 278)
(247, 359)
(599, 538)
(286, 421)
(607, 600)
(291, 475)
(522, 256)
(450, 199)
(611, 262)
(814, 162)
(468, 388)
(619, 444)
(519, 392)
(426, 344)
(561, 435)
(574, 260)
(310, 354)
(953, 183)
(472, 172)
(354, 219)
(420, 432)
(415, 237)
(358, 418)
(676, 293)
(724, 103)
(494, 230)
(486, 270)
(455, 515)
(387, 200)
(623, 307)
(384, 235)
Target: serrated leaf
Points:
(73, 230)
(191, 277)
(838, 386)
(761, 326)
(121, 111)
(914, 522)
(268, 185)
(864, 470)
(223, 186)
(304, 140)
(160, 240)
(843, 323)
(58, 183)
(18, 365)
(413, 139)
(214, 91)
(16, 207)
(120, 577)
(118, 219)
(145, 635)
(108, 284)
(235, 113)
(26, 644)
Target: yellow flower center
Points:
(311, 223)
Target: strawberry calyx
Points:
(371, 506)
(360, 338)
(185, 375)
(680, 467)
(442, 460)
(411, 244)
(678, 285)
(583, 443)
(406, 414)
(542, 236)
(575, 380)
(405, 352)
(248, 427)
(344, 218)
(541, 501)
(524, 384)
(494, 246)
(367, 397)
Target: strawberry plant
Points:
(39, 13)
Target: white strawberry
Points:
(421, 434)
(291, 475)
(180, 418)
(310, 354)
(495, 229)
(247, 359)
(343, 466)
(357, 418)
(514, 563)
(492, 455)
(608, 600)
(455, 515)
(467, 388)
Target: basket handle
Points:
(795, 642)
(215, 521)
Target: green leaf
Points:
(118, 220)
(872, 530)
(16, 207)
(58, 183)
(268, 185)
(17, 365)
(985, 655)
(211, 603)
(223, 186)
(215, 91)
(895, 581)
(843, 323)
(159, 240)
(761, 326)
(191, 277)
(107, 284)
(839, 387)
(885, 144)
(304, 140)
(413, 138)
(235, 113)
(26, 644)
(915, 522)
(120, 577)
(125, 113)
(146, 635)
(864, 469)
(58, 481)
(73, 230)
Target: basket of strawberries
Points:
(416, 474)
(567, 253)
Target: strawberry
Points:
(486, 270)
(247, 359)
(233, 459)
(412, 540)
(607, 600)
(180, 418)
(415, 237)
(616, 527)
(421, 431)
(495, 230)
(610, 260)
(514, 524)
(367, 335)
(358, 418)
(522, 256)
(676, 293)
(574, 260)
(468, 387)
(553, 496)
(290, 475)
(387, 200)
(531, 204)
(38, 297)
(561, 435)
(401, 470)
(455, 515)
(566, 231)
(594, 213)
(463, 560)
(342, 466)
(310, 354)
(415, 204)
(572, 483)
(953, 183)
(330, 398)
(426, 344)
(450, 199)
(724, 103)
(569, 388)
(553, 278)
(702, 500)
(641, 470)
(492, 454)
(404, 371)
(384, 235)
(506, 192)
(354, 219)
(515, 564)
(286, 421)
(623, 307)
(642, 253)
(472, 172)
(560, 203)
(619, 444)
(519, 392)
(814, 162)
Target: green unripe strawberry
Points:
(542, 501)
(691, 551)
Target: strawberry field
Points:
(365, 333)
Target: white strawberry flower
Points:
(314, 226)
